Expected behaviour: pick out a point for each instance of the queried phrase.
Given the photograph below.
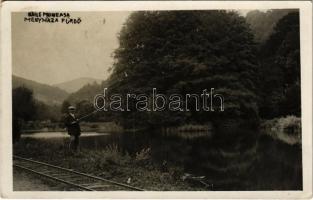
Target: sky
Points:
(53, 53)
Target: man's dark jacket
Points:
(72, 129)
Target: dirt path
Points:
(23, 181)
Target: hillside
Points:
(262, 23)
(45, 93)
(76, 84)
(87, 92)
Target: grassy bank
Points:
(109, 163)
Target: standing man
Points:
(73, 128)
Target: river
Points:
(248, 161)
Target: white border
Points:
(6, 72)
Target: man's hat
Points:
(71, 108)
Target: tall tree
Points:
(64, 107)
(23, 109)
(280, 72)
(186, 52)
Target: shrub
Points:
(290, 124)
(144, 154)
(286, 129)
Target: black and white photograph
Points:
(157, 100)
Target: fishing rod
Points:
(89, 114)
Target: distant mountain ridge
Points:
(87, 92)
(42, 92)
(76, 84)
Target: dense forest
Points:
(253, 61)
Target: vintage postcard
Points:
(156, 99)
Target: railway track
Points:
(74, 179)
